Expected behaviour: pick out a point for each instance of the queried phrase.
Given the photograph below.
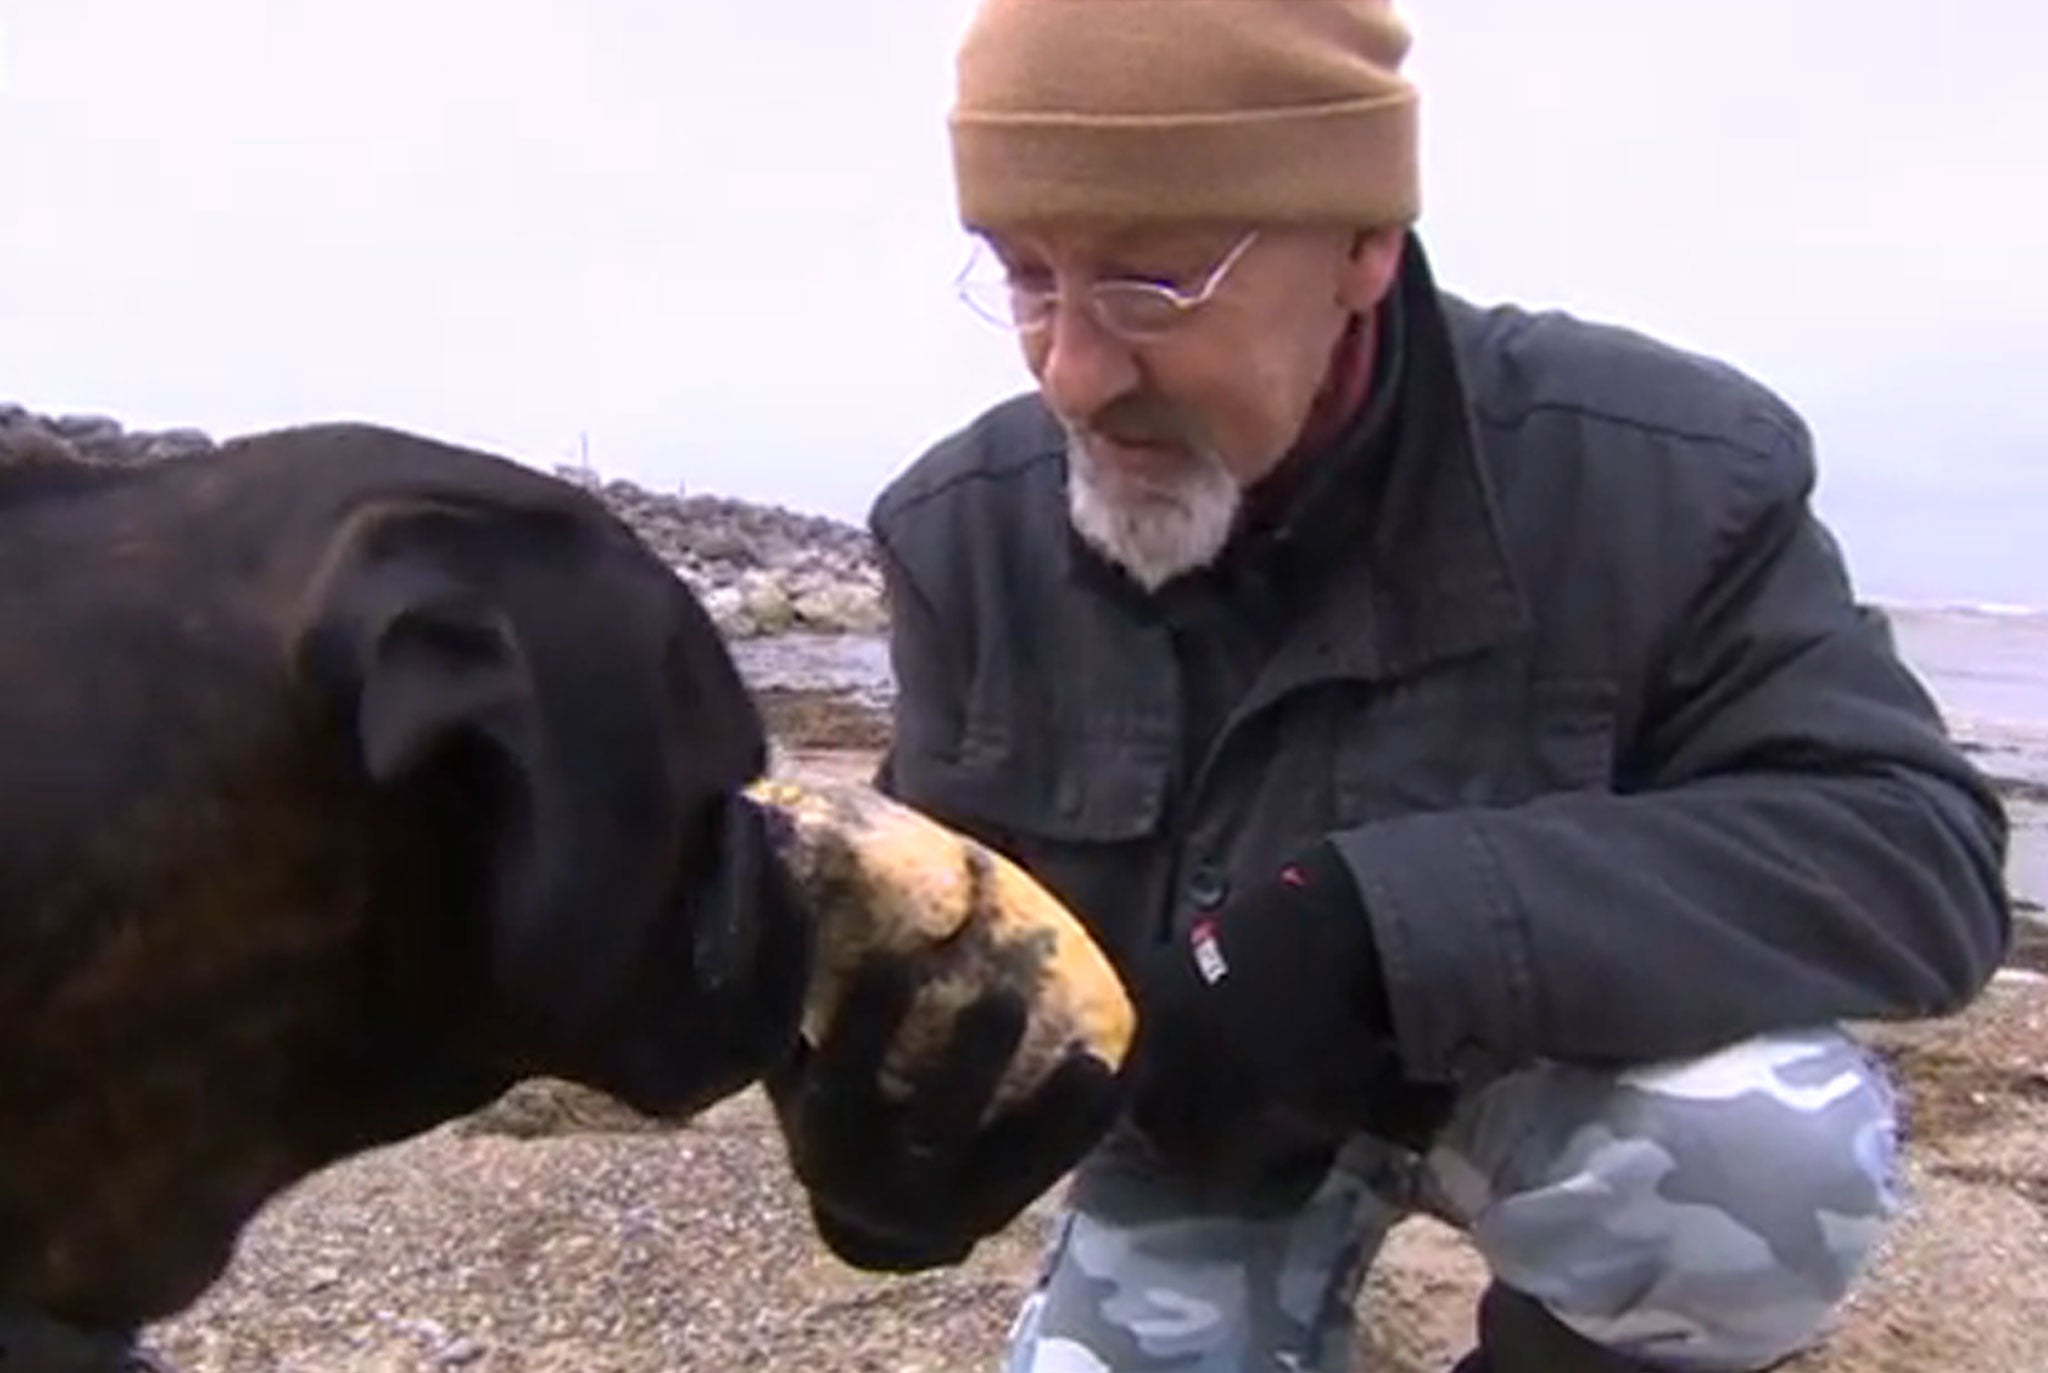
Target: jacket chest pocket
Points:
(1083, 818)
(1446, 743)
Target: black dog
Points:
(346, 777)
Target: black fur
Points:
(345, 778)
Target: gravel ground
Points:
(554, 1233)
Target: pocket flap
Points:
(1118, 793)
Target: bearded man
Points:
(1454, 720)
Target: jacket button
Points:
(1207, 887)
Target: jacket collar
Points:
(1435, 561)
(1390, 543)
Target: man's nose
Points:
(1080, 365)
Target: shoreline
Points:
(834, 715)
(843, 720)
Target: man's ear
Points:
(1369, 270)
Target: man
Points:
(1454, 721)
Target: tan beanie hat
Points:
(1259, 111)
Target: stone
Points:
(760, 570)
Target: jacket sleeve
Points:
(929, 661)
(927, 697)
(1797, 842)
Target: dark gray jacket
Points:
(1567, 666)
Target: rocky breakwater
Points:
(760, 570)
(798, 596)
(96, 438)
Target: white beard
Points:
(1154, 529)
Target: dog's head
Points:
(519, 658)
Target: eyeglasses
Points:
(1128, 307)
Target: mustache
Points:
(1140, 419)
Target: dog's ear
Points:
(442, 667)
(421, 661)
(570, 725)
(409, 647)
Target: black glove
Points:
(898, 1186)
(1265, 1031)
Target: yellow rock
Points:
(886, 878)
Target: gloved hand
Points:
(898, 1186)
(1265, 1028)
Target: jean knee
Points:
(1713, 1213)
(1147, 1285)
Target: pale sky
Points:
(717, 236)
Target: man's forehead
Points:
(1114, 241)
